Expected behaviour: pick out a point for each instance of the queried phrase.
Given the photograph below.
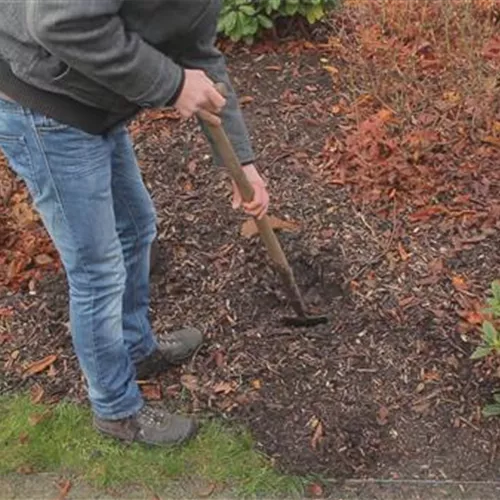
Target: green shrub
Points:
(494, 301)
(491, 343)
(246, 19)
(493, 409)
(491, 336)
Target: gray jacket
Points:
(104, 60)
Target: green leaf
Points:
(491, 410)
(239, 28)
(314, 13)
(231, 21)
(495, 288)
(245, 19)
(490, 333)
(251, 26)
(241, 20)
(264, 21)
(496, 397)
(290, 8)
(481, 352)
(248, 10)
(221, 24)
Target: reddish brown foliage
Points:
(26, 252)
(422, 126)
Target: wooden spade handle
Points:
(228, 156)
(230, 160)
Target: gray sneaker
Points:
(150, 425)
(173, 350)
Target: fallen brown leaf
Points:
(493, 141)
(52, 372)
(64, 488)
(5, 337)
(23, 437)
(226, 404)
(491, 49)
(151, 392)
(256, 384)
(173, 390)
(383, 416)
(385, 115)
(249, 227)
(403, 303)
(327, 234)
(23, 213)
(427, 213)
(242, 399)
(459, 283)
(331, 69)
(472, 317)
(318, 434)
(190, 382)
(421, 407)
(6, 312)
(452, 97)
(315, 490)
(40, 366)
(403, 253)
(43, 259)
(206, 490)
(25, 469)
(40, 417)
(247, 99)
(223, 387)
(219, 358)
(430, 376)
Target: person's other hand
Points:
(260, 203)
(199, 96)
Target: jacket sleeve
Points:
(90, 36)
(203, 54)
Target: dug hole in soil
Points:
(386, 389)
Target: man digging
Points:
(72, 73)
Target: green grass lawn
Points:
(61, 439)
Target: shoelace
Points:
(151, 416)
(171, 343)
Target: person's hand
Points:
(260, 203)
(199, 96)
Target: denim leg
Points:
(136, 226)
(69, 176)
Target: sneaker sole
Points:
(153, 372)
(192, 433)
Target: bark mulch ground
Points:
(387, 389)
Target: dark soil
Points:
(386, 389)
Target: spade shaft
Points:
(228, 156)
(267, 234)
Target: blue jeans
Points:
(89, 192)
